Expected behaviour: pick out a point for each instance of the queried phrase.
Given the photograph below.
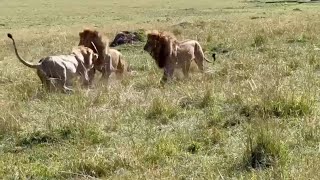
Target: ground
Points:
(253, 114)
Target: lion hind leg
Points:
(186, 68)
(200, 64)
(199, 57)
(91, 75)
(107, 68)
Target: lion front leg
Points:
(168, 72)
(91, 74)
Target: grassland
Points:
(253, 115)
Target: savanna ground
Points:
(253, 114)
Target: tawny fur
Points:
(100, 44)
(118, 65)
(61, 69)
(169, 53)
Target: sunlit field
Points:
(253, 114)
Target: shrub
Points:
(259, 40)
(264, 150)
(162, 110)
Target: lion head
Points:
(89, 56)
(160, 45)
(95, 41)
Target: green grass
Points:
(254, 114)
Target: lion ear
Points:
(147, 32)
(153, 36)
(152, 33)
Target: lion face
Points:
(161, 46)
(89, 56)
(86, 37)
(151, 44)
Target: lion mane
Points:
(96, 41)
(161, 46)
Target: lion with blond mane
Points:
(169, 53)
(109, 60)
(99, 43)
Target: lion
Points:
(61, 69)
(169, 53)
(100, 44)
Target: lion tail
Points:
(199, 52)
(35, 66)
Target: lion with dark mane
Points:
(169, 53)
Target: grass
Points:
(252, 115)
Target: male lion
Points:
(170, 53)
(109, 60)
(100, 44)
(62, 69)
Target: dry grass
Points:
(254, 114)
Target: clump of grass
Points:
(209, 38)
(66, 132)
(8, 125)
(211, 136)
(164, 148)
(201, 24)
(207, 99)
(301, 39)
(177, 31)
(161, 109)
(194, 147)
(276, 105)
(214, 117)
(37, 137)
(313, 60)
(98, 165)
(311, 134)
(140, 33)
(264, 150)
(259, 40)
(92, 168)
(286, 107)
(294, 65)
(235, 111)
(146, 83)
(198, 102)
(98, 98)
(93, 135)
(24, 91)
(204, 138)
(187, 102)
